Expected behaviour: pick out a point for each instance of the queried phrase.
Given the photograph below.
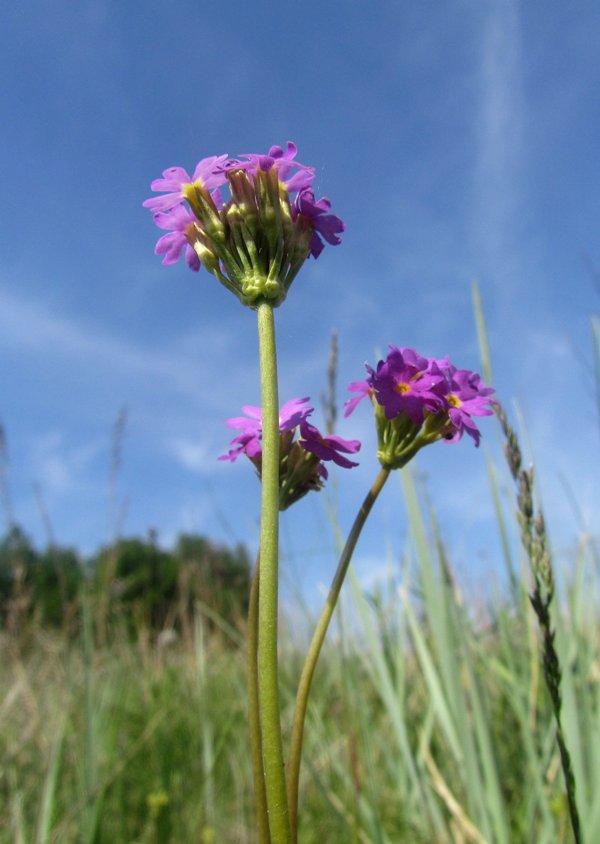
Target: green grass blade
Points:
(49, 791)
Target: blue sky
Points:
(457, 140)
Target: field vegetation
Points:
(124, 719)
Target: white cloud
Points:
(32, 328)
(59, 467)
(496, 197)
(375, 573)
(193, 455)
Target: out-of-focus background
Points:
(458, 141)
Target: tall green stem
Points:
(260, 794)
(268, 686)
(293, 768)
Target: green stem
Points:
(293, 768)
(268, 686)
(262, 816)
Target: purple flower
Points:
(466, 397)
(171, 245)
(324, 225)
(363, 388)
(327, 447)
(245, 443)
(208, 175)
(284, 164)
(406, 383)
(248, 442)
(293, 413)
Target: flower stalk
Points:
(260, 795)
(310, 664)
(268, 683)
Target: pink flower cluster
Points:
(184, 225)
(408, 385)
(303, 449)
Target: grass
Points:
(429, 724)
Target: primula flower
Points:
(302, 449)
(183, 223)
(208, 174)
(256, 238)
(363, 388)
(419, 401)
(284, 164)
(323, 224)
(249, 441)
(404, 383)
(327, 447)
(467, 396)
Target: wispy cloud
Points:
(60, 467)
(499, 132)
(193, 455)
(33, 328)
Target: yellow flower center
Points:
(190, 188)
(453, 400)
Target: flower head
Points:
(302, 449)
(418, 401)
(256, 238)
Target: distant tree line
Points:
(132, 584)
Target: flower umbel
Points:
(255, 239)
(301, 466)
(419, 401)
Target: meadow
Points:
(429, 721)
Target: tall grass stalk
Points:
(90, 757)
(50, 787)
(535, 542)
(534, 538)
